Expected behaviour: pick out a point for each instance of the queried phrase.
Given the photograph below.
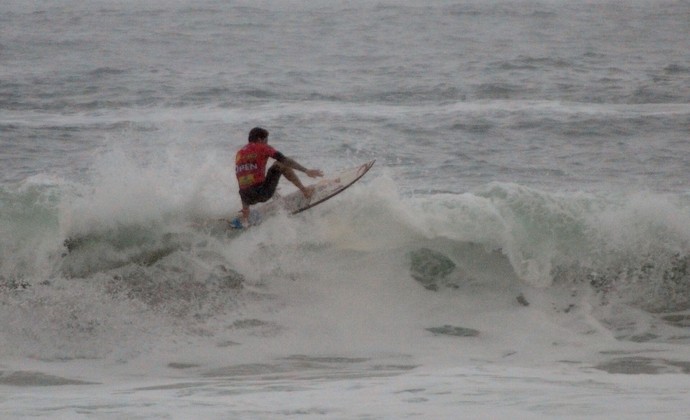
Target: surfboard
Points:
(296, 202)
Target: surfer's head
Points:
(257, 134)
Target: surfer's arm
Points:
(291, 163)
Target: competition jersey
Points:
(250, 163)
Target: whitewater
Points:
(521, 248)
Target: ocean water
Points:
(521, 249)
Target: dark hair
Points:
(257, 133)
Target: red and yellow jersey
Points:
(250, 164)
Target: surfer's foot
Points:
(308, 191)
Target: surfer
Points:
(257, 185)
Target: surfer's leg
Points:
(263, 192)
(291, 176)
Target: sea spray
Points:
(159, 269)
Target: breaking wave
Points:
(81, 289)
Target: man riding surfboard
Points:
(256, 184)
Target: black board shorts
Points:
(263, 192)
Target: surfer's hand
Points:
(313, 173)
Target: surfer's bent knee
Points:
(277, 166)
